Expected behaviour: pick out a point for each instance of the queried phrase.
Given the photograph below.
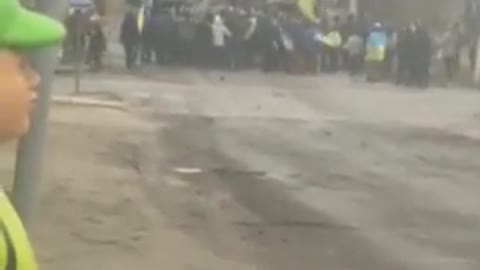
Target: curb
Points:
(88, 102)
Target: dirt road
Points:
(322, 173)
(252, 171)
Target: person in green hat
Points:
(21, 30)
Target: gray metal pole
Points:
(78, 54)
(353, 7)
(81, 21)
(476, 71)
(30, 149)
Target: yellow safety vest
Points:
(16, 253)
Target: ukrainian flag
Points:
(141, 18)
(307, 7)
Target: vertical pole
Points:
(80, 24)
(473, 14)
(476, 72)
(78, 54)
(353, 7)
(31, 147)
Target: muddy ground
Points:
(249, 171)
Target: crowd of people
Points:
(273, 39)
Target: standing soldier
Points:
(20, 30)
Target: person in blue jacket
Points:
(375, 52)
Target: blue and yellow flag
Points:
(307, 7)
(141, 18)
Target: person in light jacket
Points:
(220, 33)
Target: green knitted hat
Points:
(21, 28)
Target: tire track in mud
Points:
(285, 233)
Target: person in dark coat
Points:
(346, 31)
(421, 57)
(335, 52)
(164, 34)
(148, 41)
(96, 47)
(186, 36)
(355, 48)
(202, 50)
(130, 38)
(237, 22)
(450, 47)
(296, 30)
(255, 38)
(404, 49)
(273, 48)
(76, 23)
